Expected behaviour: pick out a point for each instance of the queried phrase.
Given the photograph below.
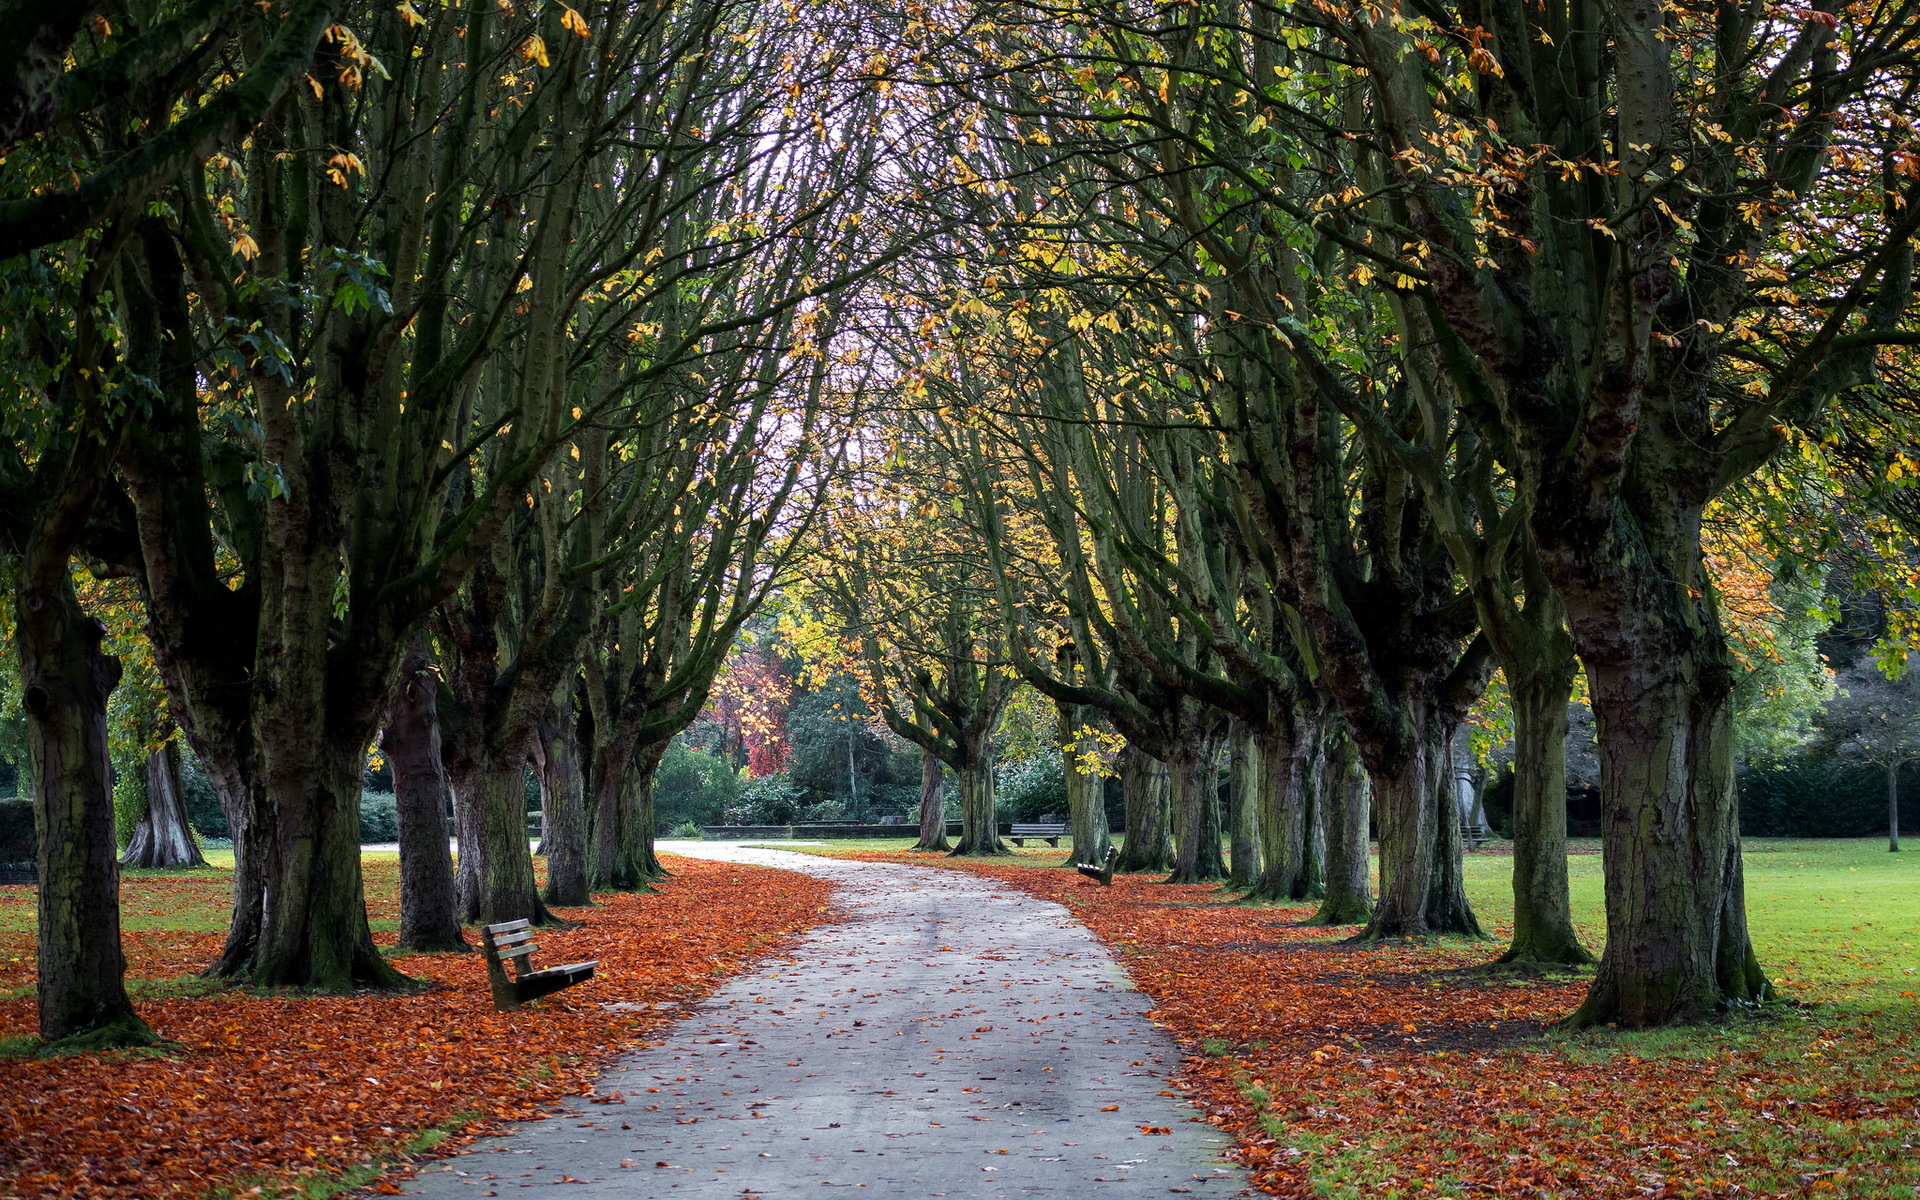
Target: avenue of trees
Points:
(1288, 383)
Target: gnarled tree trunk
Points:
(429, 920)
(563, 807)
(635, 858)
(1148, 845)
(1422, 890)
(1245, 790)
(1086, 801)
(933, 805)
(495, 881)
(1543, 930)
(65, 680)
(163, 838)
(1344, 791)
(1197, 857)
(1677, 943)
(979, 829)
(1285, 782)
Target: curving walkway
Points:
(949, 1036)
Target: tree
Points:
(912, 604)
(411, 741)
(1876, 720)
(68, 400)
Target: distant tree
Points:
(1876, 720)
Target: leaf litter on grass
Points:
(264, 1091)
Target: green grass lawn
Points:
(1832, 919)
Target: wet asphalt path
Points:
(949, 1036)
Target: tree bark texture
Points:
(1543, 930)
(1245, 792)
(609, 867)
(640, 824)
(979, 830)
(1197, 857)
(65, 681)
(1422, 888)
(163, 837)
(1284, 779)
(1086, 801)
(933, 805)
(563, 807)
(1148, 845)
(495, 880)
(1344, 790)
(429, 917)
(1677, 943)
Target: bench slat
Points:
(509, 926)
(511, 939)
(517, 951)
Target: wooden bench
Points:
(1102, 875)
(513, 940)
(1050, 834)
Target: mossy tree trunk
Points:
(429, 920)
(1543, 932)
(979, 826)
(1246, 791)
(65, 680)
(163, 837)
(563, 804)
(1148, 845)
(1193, 775)
(1345, 816)
(933, 804)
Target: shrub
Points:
(692, 787)
(204, 813)
(768, 800)
(1028, 790)
(379, 818)
(687, 830)
(1822, 796)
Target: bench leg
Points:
(1018, 841)
(505, 995)
(1054, 842)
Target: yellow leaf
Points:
(534, 50)
(408, 13)
(569, 19)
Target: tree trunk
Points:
(1086, 801)
(495, 880)
(563, 808)
(1343, 788)
(1148, 845)
(1893, 807)
(429, 919)
(1422, 888)
(1285, 779)
(1677, 943)
(637, 851)
(163, 838)
(979, 828)
(608, 868)
(1543, 930)
(933, 806)
(65, 680)
(1197, 855)
(1246, 789)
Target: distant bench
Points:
(1050, 834)
(513, 940)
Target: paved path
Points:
(951, 1036)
